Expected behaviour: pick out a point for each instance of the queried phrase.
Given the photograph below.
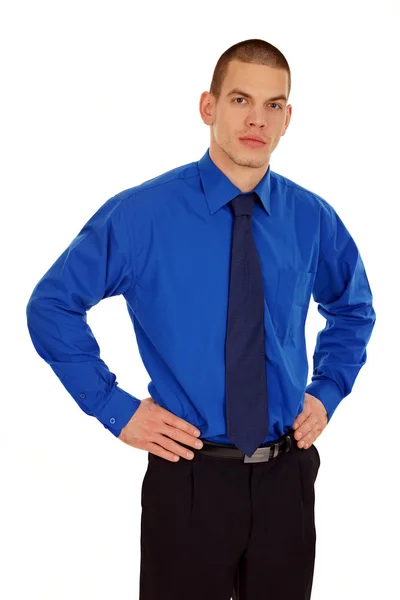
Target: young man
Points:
(217, 261)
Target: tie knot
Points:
(243, 204)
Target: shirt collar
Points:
(219, 190)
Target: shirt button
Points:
(112, 420)
(82, 395)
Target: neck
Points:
(244, 177)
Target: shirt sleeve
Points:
(344, 298)
(97, 264)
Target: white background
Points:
(98, 97)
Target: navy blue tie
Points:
(245, 367)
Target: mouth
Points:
(252, 143)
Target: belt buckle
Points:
(260, 455)
(263, 454)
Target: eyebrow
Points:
(246, 95)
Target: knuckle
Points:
(148, 436)
(156, 410)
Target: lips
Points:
(251, 143)
(253, 138)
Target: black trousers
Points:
(215, 528)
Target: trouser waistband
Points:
(263, 453)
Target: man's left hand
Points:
(310, 423)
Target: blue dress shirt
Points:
(165, 245)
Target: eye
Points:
(272, 103)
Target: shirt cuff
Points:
(118, 410)
(328, 392)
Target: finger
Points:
(181, 436)
(161, 451)
(305, 428)
(308, 440)
(172, 446)
(309, 434)
(170, 419)
(312, 435)
(299, 420)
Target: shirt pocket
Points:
(291, 304)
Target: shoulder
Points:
(281, 183)
(159, 185)
(325, 210)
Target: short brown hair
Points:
(250, 51)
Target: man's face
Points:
(235, 115)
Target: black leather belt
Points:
(262, 454)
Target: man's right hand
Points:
(153, 428)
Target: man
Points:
(217, 261)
